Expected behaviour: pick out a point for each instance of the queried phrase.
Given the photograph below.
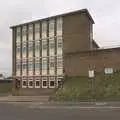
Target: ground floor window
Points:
(59, 81)
(37, 84)
(24, 83)
(44, 82)
(51, 82)
(30, 83)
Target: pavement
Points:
(11, 98)
(43, 102)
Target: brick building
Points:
(47, 49)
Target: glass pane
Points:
(44, 44)
(44, 83)
(52, 83)
(25, 83)
(37, 83)
(30, 83)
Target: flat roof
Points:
(68, 13)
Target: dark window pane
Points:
(30, 83)
(44, 83)
(25, 83)
(37, 83)
(52, 83)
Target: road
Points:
(15, 111)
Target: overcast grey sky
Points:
(106, 14)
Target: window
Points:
(59, 62)
(44, 82)
(18, 47)
(24, 84)
(37, 45)
(30, 83)
(51, 27)
(30, 65)
(24, 48)
(18, 32)
(59, 80)
(37, 84)
(18, 66)
(44, 44)
(18, 50)
(30, 46)
(37, 28)
(59, 42)
(23, 66)
(52, 82)
(59, 26)
(30, 29)
(24, 31)
(52, 44)
(44, 63)
(37, 64)
(44, 29)
(52, 63)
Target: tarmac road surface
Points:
(21, 111)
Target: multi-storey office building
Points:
(40, 47)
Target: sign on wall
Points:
(108, 70)
(91, 73)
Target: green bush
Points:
(102, 87)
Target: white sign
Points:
(108, 70)
(91, 73)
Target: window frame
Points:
(36, 80)
(30, 45)
(23, 86)
(51, 27)
(51, 80)
(44, 45)
(53, 62)
(59, 80)
(59, 59)
(43, 81)
(59, 29)
(51, 44)
(44, 61)
(30, 80)
(44, 29)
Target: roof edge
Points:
(59, 15)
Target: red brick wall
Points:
(77, 64)
(76, 32)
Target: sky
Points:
(106, 14)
